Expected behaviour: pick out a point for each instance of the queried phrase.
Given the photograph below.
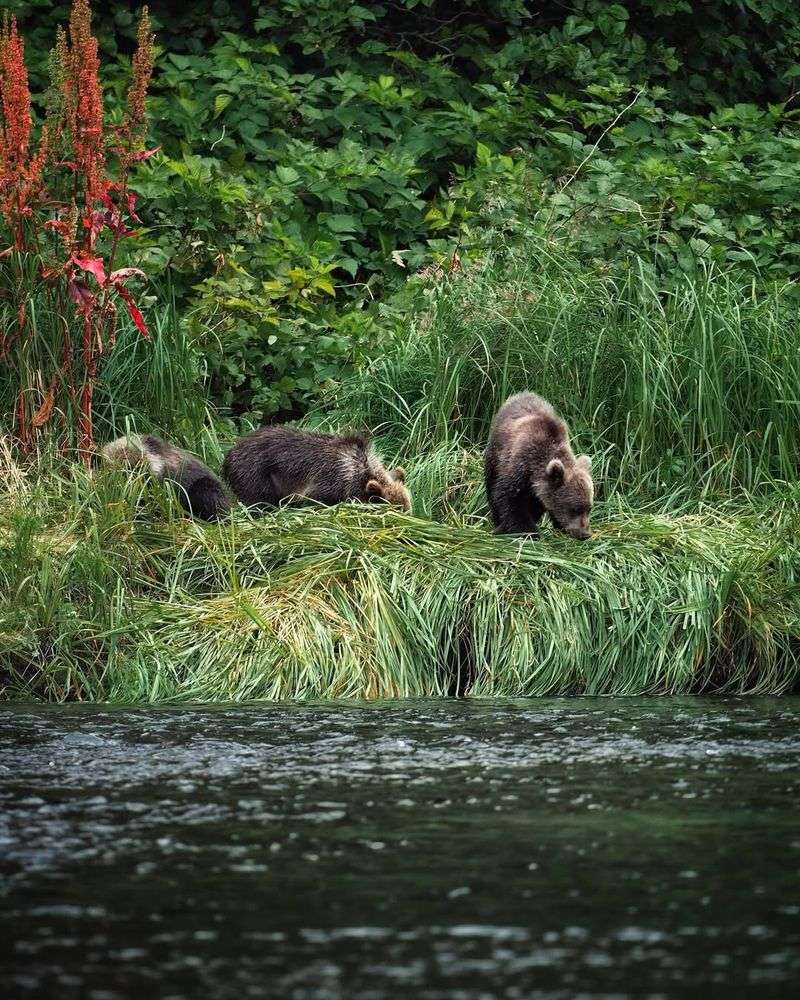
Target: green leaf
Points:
(287, 175)
(705, 212)
(619, 203)
(341, 223)
(349, 264)
(483, 154)
(221, 101)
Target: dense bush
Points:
(317, 153)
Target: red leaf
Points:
(130, 197)
(94, 223)
(145, 154)
(133, 310)
(121, 276)
(92, 264)
(44, 412)
(82, 297)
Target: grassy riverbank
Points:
(687, 396)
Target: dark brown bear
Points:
(198, 489)
(273, 464)
(530, 469)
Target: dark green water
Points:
(423, 849)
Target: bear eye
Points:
(578, 511)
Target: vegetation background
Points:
(393, 214)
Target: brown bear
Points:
(199, 490)
(530, 469)
(273, 464)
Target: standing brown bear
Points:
(272, 464)
(530, 469)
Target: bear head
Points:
(567, 493)
(391, 489)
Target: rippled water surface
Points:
(422, 849)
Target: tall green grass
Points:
(693, 388)
(155, 383)
(111, 594)
(688, 396)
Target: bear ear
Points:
(374, 490)
(584, 462)
(399, 474)
(555, 472)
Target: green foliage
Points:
(154, 384)
(686, 390)
(687, 397)
(718, 188)
(99, 602)
(316, 154)
(308, 225)
(595, 200)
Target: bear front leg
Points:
(516, 509)
(517, 524)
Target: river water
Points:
(546, 848)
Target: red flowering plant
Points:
(66, 205)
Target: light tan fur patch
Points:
(132, 451)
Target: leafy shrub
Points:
(309, 143)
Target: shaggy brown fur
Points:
(530, 469)
(273, 464)
(199, 490)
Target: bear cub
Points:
(199, 490)
(277, 463)
(530, 469)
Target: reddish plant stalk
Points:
(90, 357)
(77, 266)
